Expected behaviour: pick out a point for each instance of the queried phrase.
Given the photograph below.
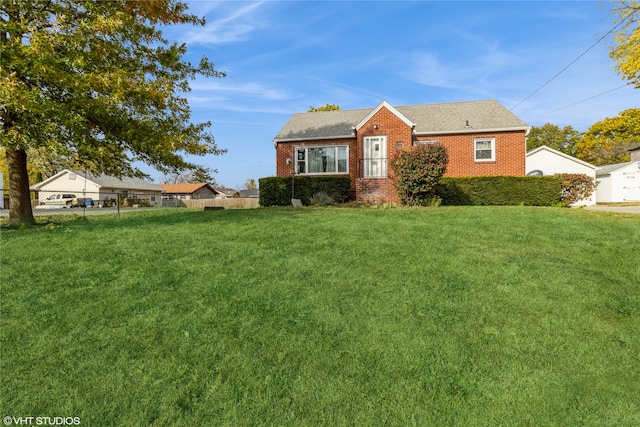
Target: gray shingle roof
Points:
(487, 115)
(321, 125)
(606, 170)
(120, 183)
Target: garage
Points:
(618, 183)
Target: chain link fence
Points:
(93, 203)
(73, 202)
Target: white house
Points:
(619, 182)
(98, 187)
(547, 161)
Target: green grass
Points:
(323, 317)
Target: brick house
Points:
(482, 138)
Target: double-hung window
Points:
(484, 149)
(331, 159)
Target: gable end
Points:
(384, 104)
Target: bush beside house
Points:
(500, 190)
(279, 190)
(576, 187)
(417, 171)
(555, 190)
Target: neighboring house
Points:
(98, 187)
(244, 194)
(547, 161)
(619, 182)
(189, 191)
(481, 137)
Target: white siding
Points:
(69, 183)
(603, 191)
(551, 162)
(621, 185)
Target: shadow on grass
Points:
(166, 217)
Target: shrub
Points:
(500, 190)
(575, 187)
(277, 190)
(321, 199)
(417, 172)
(128, 203)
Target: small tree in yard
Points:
(417, 172)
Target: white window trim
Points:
(306, 159)
(493, 149)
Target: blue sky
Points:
(281, 57)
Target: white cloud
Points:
(480, 74)
(236, 25)
(249, 89)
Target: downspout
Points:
(275, 146)
(526, 134)
(355, 133)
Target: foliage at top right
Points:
(626, 50)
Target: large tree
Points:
(626, 49)
(609, 141)
(563, 140)
(97, 83)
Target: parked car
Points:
(59, 200)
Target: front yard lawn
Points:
(324, 317)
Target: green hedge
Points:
(501, 190)
(276, 190)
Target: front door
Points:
(375, 157)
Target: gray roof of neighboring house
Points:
(124, 183)
(250, 193)
(487, 115)
(606, 170)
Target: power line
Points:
(570, 64)
(586, 99)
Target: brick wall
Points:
(510, 154)
(399, 136)
(376, 190)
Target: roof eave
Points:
(472, 131)
(38, 185)
(561, 154)
(315, 138)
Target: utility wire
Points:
(570, 64)
(586, 99)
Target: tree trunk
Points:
(19, 197)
